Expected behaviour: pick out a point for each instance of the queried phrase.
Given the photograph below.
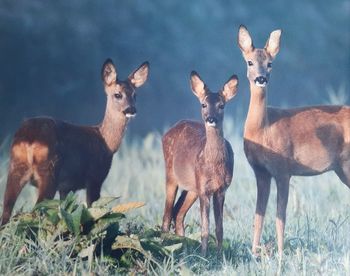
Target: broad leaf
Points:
(102, 224)
(150, 233)
(52, 216)
(154, 247)
(69, 203)
(187, 243)
(47, 204)
(73, 219)
(123, 208)
(103, 201)
(174, 247)
(126, 242)
(97, 213)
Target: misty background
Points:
(51, 54)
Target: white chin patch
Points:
(211, 124)
(260, 84)
(128, 115)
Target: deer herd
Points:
(57, 156)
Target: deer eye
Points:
(204, 105)
(221, 106)
(118, 96)
(250, 63)
(269, 65)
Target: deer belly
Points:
(72, 173)
(69, 180)
(185, 174)
(311, 161)
(302, 159)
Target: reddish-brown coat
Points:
(57, 156)
(199, 161)
(280, 143)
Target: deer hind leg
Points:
(45, 181)
(178, 204)
(170, 190)
(44, 171)
(19, 174)
(263, 182)
(282, 201)
(182, 206)
(93, 191)
(218, 202)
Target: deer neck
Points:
(214, 148)
(257, 113)
(113, 128)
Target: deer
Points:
(199, 160)
(281, 143)
(54, 155)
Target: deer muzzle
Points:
(260, 81)
(211, 121)
(130, 112)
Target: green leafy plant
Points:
(96, 232)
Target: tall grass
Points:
(317, 236)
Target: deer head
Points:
(213, 104)
(259, 61)
(121, 95)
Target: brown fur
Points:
(280, 143)
(199, 161)
(57, 156)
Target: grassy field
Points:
(317, 239)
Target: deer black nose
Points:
(130, 111)
(211, 120)
(261, 80)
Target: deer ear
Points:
(230, 88)
(245, 42)
(273, 43)
(198, 86)
(108, 72)
(139, 76)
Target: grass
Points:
(317, 239)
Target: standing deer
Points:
(57, 156)
(199, 160)
(280, 143)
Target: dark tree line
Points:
(51, 53)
